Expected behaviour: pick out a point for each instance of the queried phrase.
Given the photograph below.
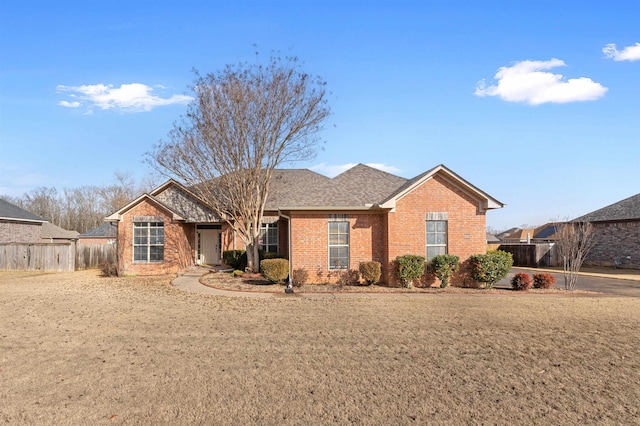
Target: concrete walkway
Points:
(190, 281)
(610, 284)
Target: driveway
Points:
(606, 285)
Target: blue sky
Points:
(537, 103)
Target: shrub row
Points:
(237, 259)
(524, 282)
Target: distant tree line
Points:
(83, 208)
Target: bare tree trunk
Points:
(575, 240)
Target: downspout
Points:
(289, 288)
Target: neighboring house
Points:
(518, 235)
(30, 243)
(616, 234)
(103, 234)
(54, 234)
(322, 225)
(18, 225)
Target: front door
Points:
(209, 246)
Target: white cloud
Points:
(134, 97)
(629, 53)
(333, 170)
(530, 82)
(67, 104)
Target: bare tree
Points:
(574, 242)
(82, 208)
(245, 121)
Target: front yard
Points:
(80, 349)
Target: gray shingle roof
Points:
(627, 209)
(357, 187)
(11, 211)
(106, 230)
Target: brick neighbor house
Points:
(323, 225)
(616, 234)
(18, 225)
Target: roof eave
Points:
(15, 219)
(326, 208)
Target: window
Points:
(148, 241)
(436, 238)
(338, 244)
(268, 239)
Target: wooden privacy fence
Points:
(538, 255)
(46, 257)
(90, 256)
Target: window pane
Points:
(140, 253)
(156, 253)
(441, 238)
(431, 226)
(441, 226)
(338, 239)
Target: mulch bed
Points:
(257, 283)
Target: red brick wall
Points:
(310, 240)
(407, 225)
(179, 239)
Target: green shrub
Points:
(543, 281)
(521, 282)
(370, 272)
(275, 270)
(409, 268)
(236, 259)
(299, 277)
(444, 266)
(491, 267)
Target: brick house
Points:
(323, 225)
(616, 234)
(18, 225)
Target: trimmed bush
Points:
(410, 267)
(236, 259)
(299, 277)
(491, 267)
(521, 282)
(444, 266)
(275, 270)
(543, 281)
(370, 272)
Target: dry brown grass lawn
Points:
(79, 349)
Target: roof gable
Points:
(486, 202)
(117, 216)
(627, 209)
(176, 199)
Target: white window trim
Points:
(441, 217)
(148, 245)
(338, 219)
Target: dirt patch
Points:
(80, 349)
